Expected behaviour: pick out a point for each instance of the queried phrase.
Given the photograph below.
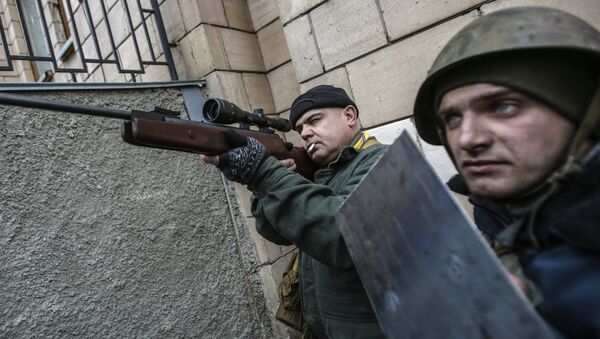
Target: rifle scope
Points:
(224, 112)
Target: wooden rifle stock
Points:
(204, 138)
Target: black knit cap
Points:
(321, 96)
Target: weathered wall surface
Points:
(380, 50)
(263, 53)
(99, 238)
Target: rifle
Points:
(160, 128)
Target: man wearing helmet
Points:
(515, 99)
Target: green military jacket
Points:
(290, 209)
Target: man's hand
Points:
(289, 163)
(240, 163)
(518, 282)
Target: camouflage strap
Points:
(577, 152)
(289, 311)
(589, 122)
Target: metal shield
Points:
(426, 269)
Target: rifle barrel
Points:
(62, 106)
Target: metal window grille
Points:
(141, 22)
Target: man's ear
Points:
(351, 115)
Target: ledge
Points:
(80, 86)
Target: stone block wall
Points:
(380, 50)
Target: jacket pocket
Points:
(354, 307)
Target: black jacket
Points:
(566, 267)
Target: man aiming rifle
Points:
(290, 209)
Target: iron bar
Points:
(47, 34)
(145, 26)
(34, 44)
(90, 20)
(133, 37)
(9, 66)
(160, 63)
(110, 36)
(24, 26)
(79, 46)
(85, 86)
(30, 58)
(55, 105)
(163, 39)
(100, 61)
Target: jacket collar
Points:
(361, 140)
(571, 215)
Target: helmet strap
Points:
(586, 128)
(576, 154)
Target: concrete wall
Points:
(103, 239)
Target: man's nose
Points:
(306, 133)
(473, 134)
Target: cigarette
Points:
(311, 148)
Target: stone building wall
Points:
(263, 53)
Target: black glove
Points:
(241, 162)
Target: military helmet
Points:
(508, 35)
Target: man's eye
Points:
(506, 108)
(451, 119)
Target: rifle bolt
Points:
(191, 134)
